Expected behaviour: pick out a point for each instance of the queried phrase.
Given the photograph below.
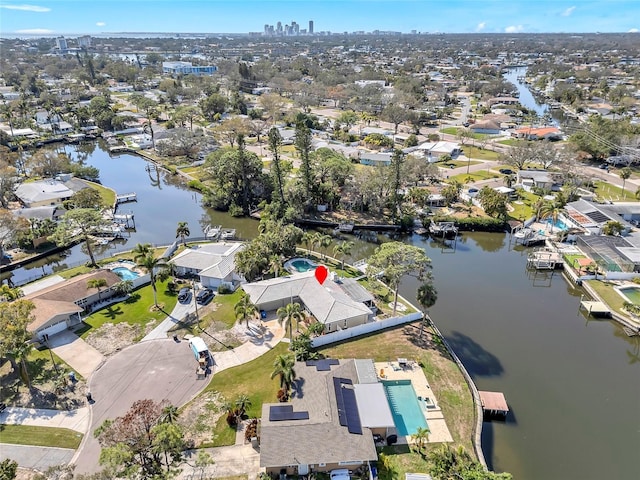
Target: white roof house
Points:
(329, 303)
(43, 192)
(214, 263)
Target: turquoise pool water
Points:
(406, 411)
(633, 294)
(125, 274)
(559, 225)
(302, 265)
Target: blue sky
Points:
(50, 17)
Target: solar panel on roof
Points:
(351, 408)
(337, 385)
(322, 365)
(278, 413)
(597, 216)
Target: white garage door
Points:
(53, 329)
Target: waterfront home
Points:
(337, 303)
(488, 127)
(43, 192)
(336, 408)
(212, 263)
(539, 133)
(58, 307)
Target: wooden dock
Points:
(544, 260)
(443, 229)
(126, 197)
(493, 403)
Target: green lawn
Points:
(480, 153)
(252, 379)
(510, 141)
(524, 210)
(107, 195)
(460, 163)
(608, 294)
(40, 436)
(475, 176)
(450, 130)
(614, 193)
(40, 367)
(137, 310)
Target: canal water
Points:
(573, 384)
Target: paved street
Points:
(157, 370)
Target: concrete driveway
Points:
(156, 370)
(81, 356)
(180, 311)
(39, 458)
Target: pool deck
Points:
(439, 432)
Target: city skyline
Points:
(66, 17)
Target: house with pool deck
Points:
(338, 303)
(336, 408)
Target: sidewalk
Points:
(77, 420)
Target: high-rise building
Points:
(61, 44)
(279, 28)
(84, 41)
(310, 27)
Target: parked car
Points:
(204, 296)
(506, 171)
(184, 295)
(340, 474)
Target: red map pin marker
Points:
(321, 274)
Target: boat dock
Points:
(345, 227)
(126, 197)
(595, 309)
(443, 229)
(527, 236)
(544, 260)
(493, 403)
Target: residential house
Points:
(42, 193)
(336, 408)
(375, 159)
(212, 263)
(338, 303)
(59, 306)
(530, 179)
(435, 150)
(488, 127)
(538, 133)
(187, 68)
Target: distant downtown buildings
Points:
(287, 30)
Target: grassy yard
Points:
(473, 176)
(614, 193)
(75, 271)
(523, 210)
(40, 436)
(608, 294)
(510, 141)
(252, 379)
(460, 163)
(445, 378)
(480, 153)
(450, 130)
(107, 195)
(137, 310)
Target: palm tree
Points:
(308, 238)
(283, 368)
(426, 297)
(97, 283)
(288, 313)
(243, 402)
(157, 268)
(551, 210)
(421, 437)
(169, 414)
(624, 173)
(9, 293)
(123, 288)
(245, 309)
(141, 250)
(343, 249)
(316, 239)
(324, 242)
(183, 231)
(275, 264)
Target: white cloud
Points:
(568, 11)
(27, 8)
(633, 30)
(100, 24)
(514, 29)
(35, 31)
(481, 26)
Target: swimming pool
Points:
(300, 265)
(631, 293)
(558, 225)
(403, 401)
(125, 274)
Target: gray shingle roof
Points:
(321, 438)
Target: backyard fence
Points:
(364, 329)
